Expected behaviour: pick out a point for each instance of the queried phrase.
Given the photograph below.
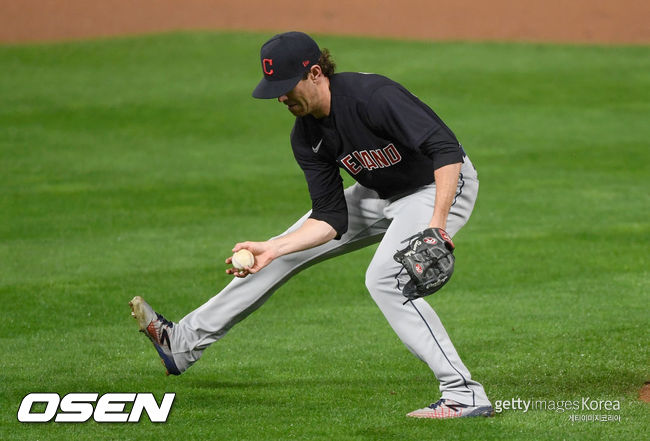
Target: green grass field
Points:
(131, 166)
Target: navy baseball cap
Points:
(285, 59)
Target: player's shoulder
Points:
(359, 85)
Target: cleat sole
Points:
(137, 312)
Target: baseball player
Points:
(415, 188)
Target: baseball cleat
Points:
(157, 329)
(451, 409)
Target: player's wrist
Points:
(276, 247)
(437, 224)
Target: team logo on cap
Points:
(265, 65)
(305, 63)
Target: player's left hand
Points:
(428, 260)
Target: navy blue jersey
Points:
(380, 133)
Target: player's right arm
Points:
(311, 233)
(329, 215)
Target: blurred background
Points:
(602, 21)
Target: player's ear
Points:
(315, 72)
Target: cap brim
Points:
(272, 89)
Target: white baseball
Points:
(242, 259)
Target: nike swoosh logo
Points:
(315, 149)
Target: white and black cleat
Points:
(442, 409)
(157, 329)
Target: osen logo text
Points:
(107, 408)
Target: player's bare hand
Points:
(263, 252)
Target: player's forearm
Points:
(446, 183)
(312, 233)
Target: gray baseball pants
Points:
(371, 220)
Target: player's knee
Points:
(378, 277)
(370, 283)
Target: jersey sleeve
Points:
(441, 151)
(400, 115)
(324, 183)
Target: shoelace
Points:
(441, 401)
(437, 404)
(164, 321)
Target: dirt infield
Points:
(644, 393)
(587, 21)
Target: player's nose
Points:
(282, 98)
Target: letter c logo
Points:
(267, 70)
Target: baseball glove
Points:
(429, 261)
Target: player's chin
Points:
(297, 110)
